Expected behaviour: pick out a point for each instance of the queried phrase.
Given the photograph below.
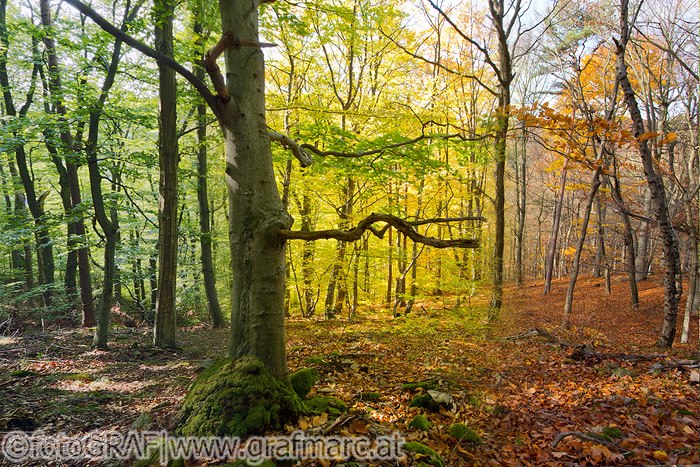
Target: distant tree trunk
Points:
(600, 240)
(556, 220)
(693, 271)
(164, 330)
(595, 184)
(78, 255)
(628, 235)
(669, 241)
(153, 282)
(346, 215)
(45, 249)
(307, 257)
(642, 254)
(205, 240)
(520, 161)
(110, 229)
(390, 272)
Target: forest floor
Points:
(534, 398)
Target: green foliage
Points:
(237, 398)
(462, 432)
(303, 380)
(421, 423)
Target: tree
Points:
(45, 255)
(78, 251)
(259, 224)
(165, 325)
(217, 319)
(669, 240)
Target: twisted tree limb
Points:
(304, 158)
(402, 225)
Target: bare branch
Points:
(366, 224)
(372, 152)
(417, 56)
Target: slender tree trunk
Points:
(693, 271)
(628, 236)
(642, 263)
(556, 220)
(45, 258)
(595, 184)
(600, 240)
(205, 239)
(669, 241)
(78, 254)
(521, 198)
(164, 330)
(307, 257)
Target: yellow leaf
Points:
(647, 135)
(669, 138)
(688, 430)
(660, 455)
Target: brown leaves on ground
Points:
(530, 403)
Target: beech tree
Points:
(259, 223)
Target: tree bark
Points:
(205, 241)
(256, 212)
(642, 253)
(628, 236)
(164, 330)
(669, 241)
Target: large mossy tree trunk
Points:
(255, 207)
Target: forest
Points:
(470, 226)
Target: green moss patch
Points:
(424, 453)
(420, 423)
(303, 380)
(462, 432)
(424, 401)
(237, 398)
(370, 396)
(610, 432)
(331, 405)
(23, 373)
(425, 385)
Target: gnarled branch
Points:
(229, 39)
(402, 225)
(304, 158)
